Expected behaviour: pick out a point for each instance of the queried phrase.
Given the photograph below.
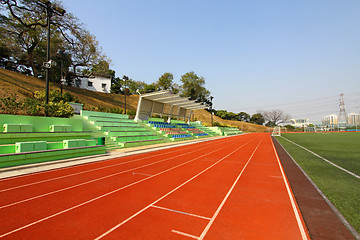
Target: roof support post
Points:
(171, 109)
(162, 111)
(189, 119)
(137, 118)
(152, 109)
(178, 112)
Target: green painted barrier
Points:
(39, 124)
(8, 160)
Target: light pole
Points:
(125, 78)
(212, 120)
(50, 11)
(62, 78)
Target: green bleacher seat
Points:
(30, 146)
(16, 127)
(60, 128)
(73, 143)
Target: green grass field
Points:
(343, 149)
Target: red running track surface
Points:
(231, 188)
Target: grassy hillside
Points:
(24, 86)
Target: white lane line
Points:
(93, 180)
(227, 196)
(159, 199)
(276, 177)
(104, 195)
(328, 161)
(291, 196)
(135, 173)
(185, 234)
(185, 213)
(78, 173)
(84, 183)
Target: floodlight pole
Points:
(50, 11)
(125, 78)
(49, 14)
(212, 120)
(62, 78)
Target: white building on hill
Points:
(94, 83)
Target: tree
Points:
(175, 88)
(101, 69)
(243, 116)
(275, 116)
(257, 118)
(289, 127)
(226, 115)
(23, 35)
(85, 50)
(193, 87)
(116, 85)
(148, 88)
(270, 124)
(22, 30)
(221, 113)
(165, 81)
(133, 86)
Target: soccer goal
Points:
(276, 131)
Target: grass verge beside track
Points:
(342, 189)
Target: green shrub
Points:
(58, 105)
(59, 109)
(217, 124)
(33, 107)
(131, 113)
(116, 110)
(55, 96)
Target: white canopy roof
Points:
(154, 103)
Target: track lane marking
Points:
(78, 173)
(144, 174)
(167, 194)
(299, 221)
(81, 184)
(276, 177)
(93, 180)
(104, 195)
(176, 211)
(185, 234)
(227, 196)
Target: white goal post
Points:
(276, 131)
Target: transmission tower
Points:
(342, 117)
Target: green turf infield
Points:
(343, 149)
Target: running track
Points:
(230, 188)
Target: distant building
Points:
(298, 123)
(94, 83)
(353, 118)
(330, 120)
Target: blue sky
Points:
(297, 56)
